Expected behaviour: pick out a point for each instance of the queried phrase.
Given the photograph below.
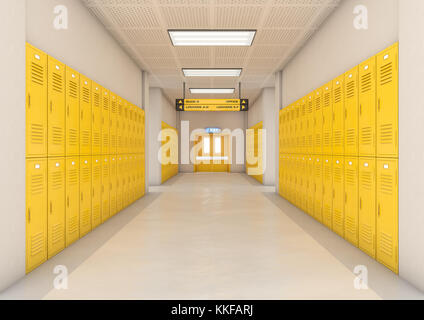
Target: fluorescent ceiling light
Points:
(212, 37)
(212, 90)
(212, 72)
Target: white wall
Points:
(337, 46)
(160, 109)
(223, 120)
(265, 109)
(86, 46)
(12, 142)
(411, 142)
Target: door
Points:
(120, 127)
(367, 206)
(96, 192)
(296, 120)
(119, 183)
(131, 112)
(318, 121)
(96, 124)
(113, 185)
(72, 112)
(387, 103)
(36, 102)
(36, 213)
(310, 196)
(85, 195)
(212, 156)
(351, 200)
(327, 205)
(367, 108)
(351, 112)
(125, 183)
(105, 188)
(72, 200)
(113, 123)
(338, 195)
(387, 213)
(105, 121)
(318, 188)
(56, 108)
(56, 206)
(125, 127)
(310, 124)
(338, 116)
(327, 117)
(302, 133)
(130, 179)
(85, 115)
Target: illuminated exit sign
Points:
(213, 130)
(212, 104)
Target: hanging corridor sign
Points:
(212, 104)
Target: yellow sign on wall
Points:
(212, 104)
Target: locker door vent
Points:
(366, 136)
(73, 224)
(37, 74)
(85, 176)
(386, 73)
(57, 180)
(86, 95)
(85, 138)
(318, 104)
(366, 234)
(338, 95)
(366, 180)
(73, 137)
(350, 177)
(96, 173)
(57, 136)
(57, 233)
(338, 138)
(37, 133)
(386, 186)
(73, 177)
(366, 84)
(85, 218)
(327, 99)
(350, 225)
(37, 243)
(96, 138)
(350, 89)
(57, 83)
(73, 92)
(386, 244)
(96, 100)
(96, 212)
(338, 175)
(350, 137)
(37, 186)
(386, 133)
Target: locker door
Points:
(131, 179)
(283, 131)
(296, 139)
(56, 108)
(327, 206)
(113, 123)
(96, 192)
(119, 183)
(318, 122)
(143, 175)
(367, 206)
(36, 102)
(105, 121)
(72, 112)
(131, 128)
(56, 206)
(85, 195)
(281, 169)
(280, 131)
(125, 127)
(119, 127)
(338, 195)
(351, 200)
(105, 188)
(124, 181)
(302, 142)
(113, 185)
(338, 116)
(387, 213)
(351, 112)
(296, 187)
(318, 188)
(136, 178)
(310, 186)
(85, 115)
(142, 134)
(303, 174)
(367, 108)
(327, 116)
(72, 200)
(310, 124)
(96, 124)
(36, 213)
(387, 103)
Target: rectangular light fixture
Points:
(212, 72)
(211, 90)
(212, 37)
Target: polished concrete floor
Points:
(211, 236)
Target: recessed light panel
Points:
(212, 37)
(212, 72)
(211, 90)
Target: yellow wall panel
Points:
(72, 200)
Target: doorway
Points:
(213, 153)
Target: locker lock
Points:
(57, 67)
(37, 166)
(57, 164)
(386, 57)
(366, 165)
(85, 161)
(366, 67)
(350, 76)
(73, 76)
(386, 166)
(73, 163)
(37, 57)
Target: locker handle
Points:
(51, 207)
(345, 113)
(67, 201)
(93, 192)
(360, 109)
(82, 196)
(29, 100)
(82, 114)
(378, 104)
(378, 209)
(345, 197)
(68, 110)
(360, 203)
(29, 215)
(334, 194)
(51, 106)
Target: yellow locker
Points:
(327, 116)
(303, 173)
(292, 182)
(327, 192)
(318, 121)
(113, 123)
(142, 131)
(125, 127)
(131, 110)
(105, 208)
(387, 213)
(302, 133)
(56, 206)
(387, 103)
(120, 183)
(36, 213)
(96, 125)
(338, 116)
(338, 195)
(124, 173)
(296, 195)
(318, 187)
(105, 121)
(85, 115)
(296, 139)
(351, 112)
(284, 130)
(56, 108)
(281, 171)
(367, 108)
(367, 205)
(113, 185)
(130, 179)
(143, 175)
(96, 192)
(85, 195)
(72, 200)
(280, 132)
(36, 102)
(72, 112)
(310, 185)
(120, 127)
(351, 200)
(136, 177)
(310, 124)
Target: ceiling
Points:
(140, 26)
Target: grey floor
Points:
(211, 236)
